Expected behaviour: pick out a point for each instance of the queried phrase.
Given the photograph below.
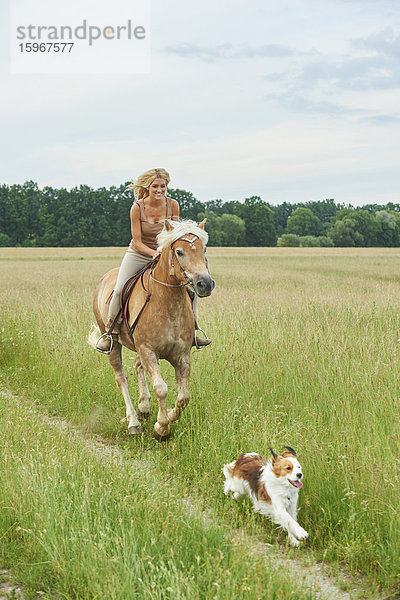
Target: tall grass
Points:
(304, 353)
(79, 525)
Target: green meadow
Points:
(305, 353)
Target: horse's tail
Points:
(94, 335)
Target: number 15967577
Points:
(46, 47)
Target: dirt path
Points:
(314, 576)
(7, 589)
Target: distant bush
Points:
(289, 240)
(309, 241)
(5, 240)
(325, 241)
(316, 241)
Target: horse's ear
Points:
(202, 223)
(168, 225)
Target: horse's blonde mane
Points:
(166, 238)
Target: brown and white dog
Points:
(273, 487)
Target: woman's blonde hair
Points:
(145, 180)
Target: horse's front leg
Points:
(144, 394)
(150, 364)
(182, 373)
(115, 358)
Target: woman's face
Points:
(157, 189)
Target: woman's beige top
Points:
(151, 230)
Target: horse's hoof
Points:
(142, 415)
(161, 438)
(137, 430)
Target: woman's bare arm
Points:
(174, 210)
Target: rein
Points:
(177, 285)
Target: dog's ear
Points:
(274, 456)
(289, 452)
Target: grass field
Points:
(305, 353)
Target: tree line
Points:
(84, 216)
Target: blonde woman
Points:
(151, 207)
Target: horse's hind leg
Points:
(144, 394)
(182, 372)
(115, 358)
(150, 364)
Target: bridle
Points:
(172, 269)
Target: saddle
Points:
(125, 297)
(126, 294)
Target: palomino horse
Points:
(166, 326)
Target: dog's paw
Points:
(293, 541)
(301, 533)
(236, 495)
(227, 488)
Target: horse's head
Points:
(188, 264)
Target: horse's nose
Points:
(203, 285)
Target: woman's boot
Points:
(107, 340)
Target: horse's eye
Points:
(179, 253)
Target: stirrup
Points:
(195, 338)
(104, 335)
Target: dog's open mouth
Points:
(296, 484)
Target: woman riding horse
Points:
(160, 321)
(148, 213)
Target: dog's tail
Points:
(228, 469)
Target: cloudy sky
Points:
(293, 100)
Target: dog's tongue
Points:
(296, 484)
